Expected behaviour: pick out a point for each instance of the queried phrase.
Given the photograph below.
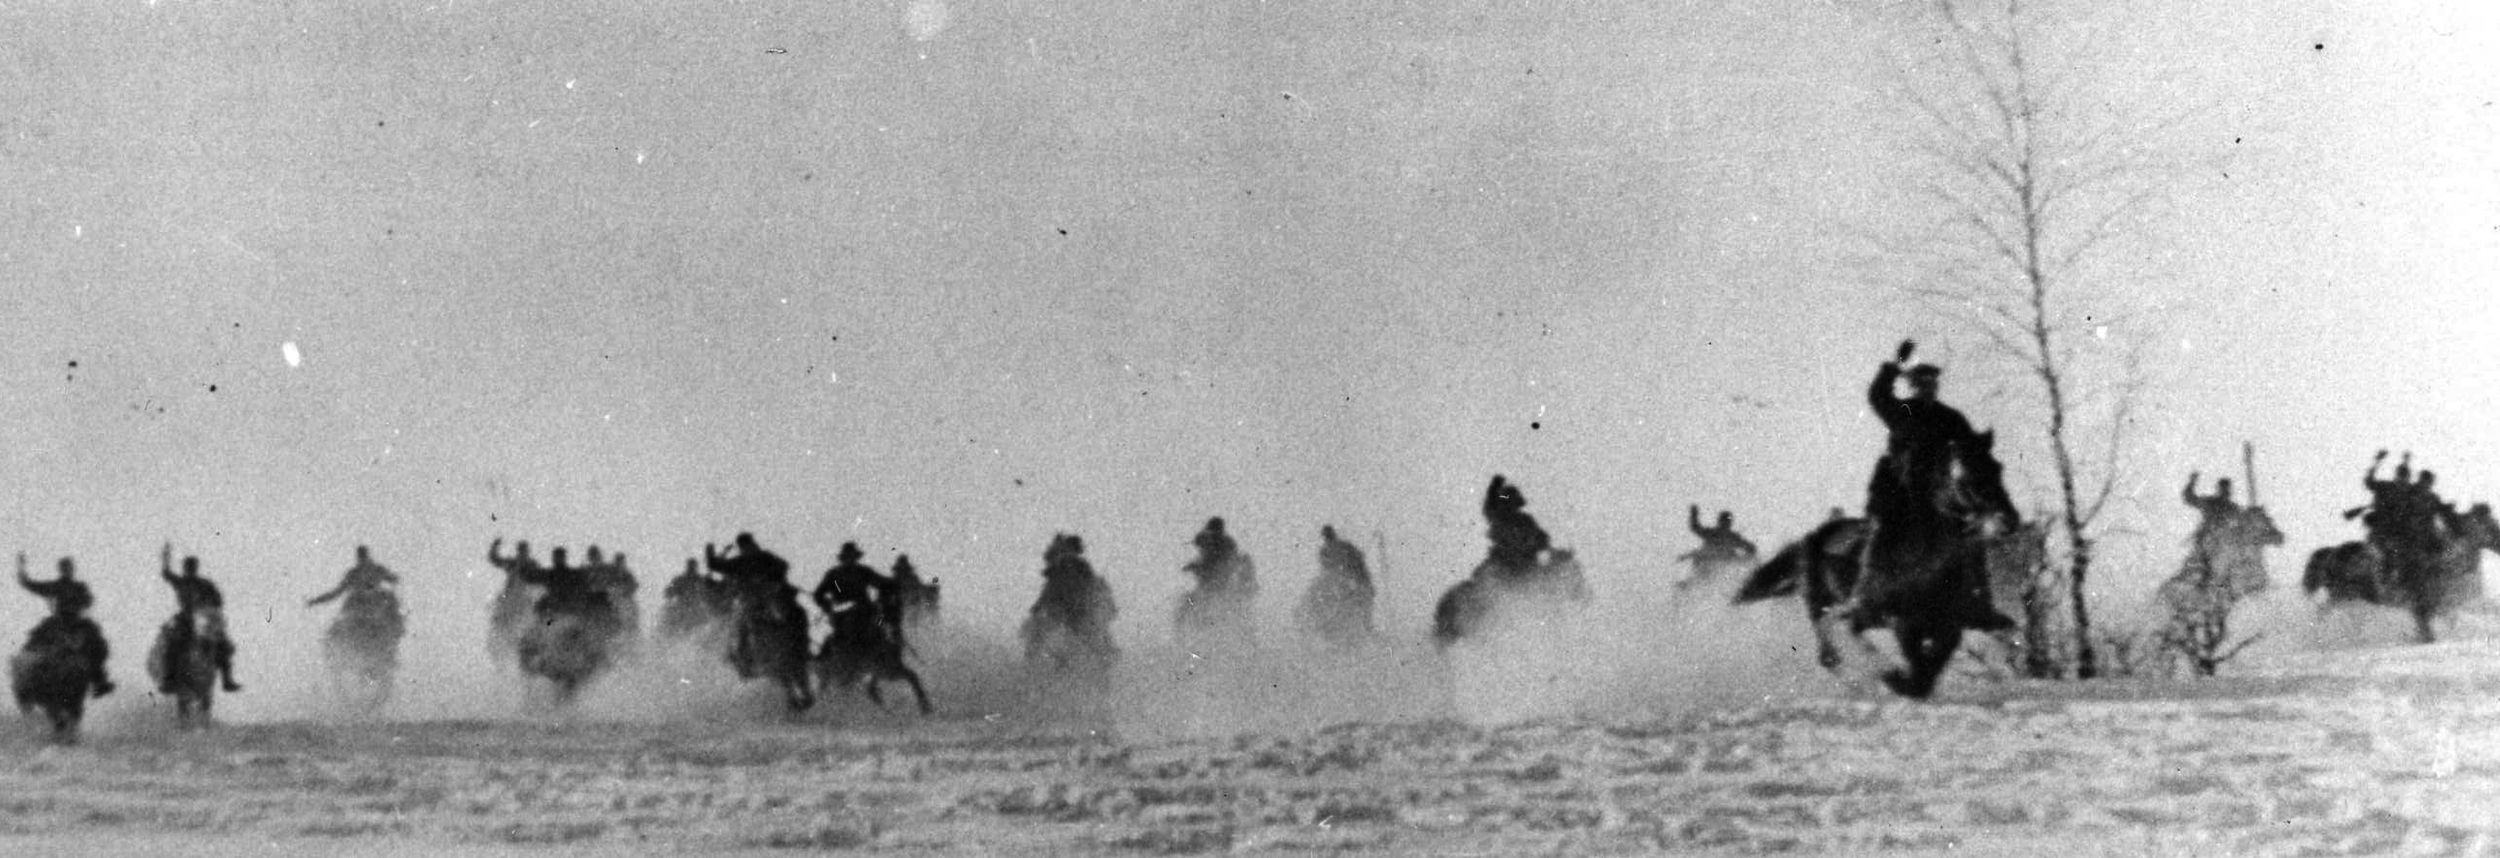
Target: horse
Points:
(2359, 571)
(184, 660)
(1215, 616)
(2225, 563)
(362, 647)
(1337, 610)
(54, 679)
(1473, 605)
(775, 635)
(1068, 631)
(569, 645)
(866, 654)
(1933, 550)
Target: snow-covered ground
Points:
(2363, 749)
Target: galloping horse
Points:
(184, 660)
(362, 647)
(1215, 615)
(1068, 631)
(569, 645)
(869, 655)
(54, 678)
(2226, 562)
(2356, 572)
(1472, 606)
(1931, 552)
(776, 646)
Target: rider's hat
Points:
(850, 551)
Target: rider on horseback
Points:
(2403, 521)
(364, 577)
(569, 591)
(1717, 543)
(1073, 597)
(759, 582)
(1221, 567)
(198, 607)
(2215, 508)
(856, 601)
(1922, 434)
(68, 625)
(1338, 607)
(1518, 541)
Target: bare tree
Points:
(2033, 188)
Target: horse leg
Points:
(2422, 614)
(897, 670)
(1926, 649)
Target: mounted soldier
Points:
(199, 609)
(855, 600)
(1921, 436)
(68, 627)
(759, 584)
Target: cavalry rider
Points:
(1338, 607)
(1073, 596)
(68, 625)
(1221, 567)
(693, 594)
(759, 582)
(611, 578)
(1721, 542)
(363, 578)
(198, 607)
(2403, 518)
(1921, 433)
(1518, 541)
(2215, 508)
(568, 590)
(856, 600)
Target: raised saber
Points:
(2248, 466)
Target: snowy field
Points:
(2363, 746)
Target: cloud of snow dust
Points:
(1642, 651)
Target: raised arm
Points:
(334, 593)
(2188, 495)
(22, 579)
(165, 565)
(1692, 521)
(494, 554)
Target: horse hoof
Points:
(1901, 684)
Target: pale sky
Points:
(947, 278)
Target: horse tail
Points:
(1781, 576)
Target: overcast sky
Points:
(944, 278)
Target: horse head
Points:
(2478, 528)
(2253, 526)
(1975, 491)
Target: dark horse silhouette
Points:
(1472, 606)
(185, 660)
(54, 677)
(865, 654)
(1068, 631)
(776, 633)
(362, 647)
(1935, 551)
(570, 644)
(2355, 572)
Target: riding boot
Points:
(103, 684)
